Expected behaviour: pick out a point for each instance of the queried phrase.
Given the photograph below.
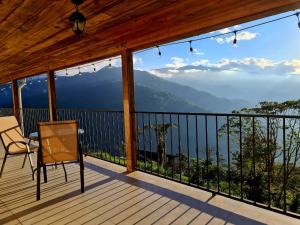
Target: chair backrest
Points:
(10, 131)
(58, 141)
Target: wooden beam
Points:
(52, 95)
(129, 108)
(16, 100)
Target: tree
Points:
(264, 147)
(161, 131)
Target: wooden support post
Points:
(52, 96)
(129, 109)
(16, 100)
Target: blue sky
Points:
(275, 41)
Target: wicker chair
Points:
(14, 142)
(58, 145)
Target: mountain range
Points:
(103, 90)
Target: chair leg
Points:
(45, 173)
(3, 164)
(31, 165)
(38, 183)
(24, 161)
(81, 174)
(65, 171)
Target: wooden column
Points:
(52, 95)
(16, 100)
(129, 108)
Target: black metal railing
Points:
(101, 132)
(251, 158)
(248, 157)
(6, 111)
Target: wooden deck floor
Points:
(114, 197)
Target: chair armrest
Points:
(16, 142)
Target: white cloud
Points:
(197, 52)
(160, 73)
(250, 65)
(176, 62)
(220, 40)
(202, 62)
(225, 30)
(137, 60)
(173, 71)
(241, 36)
(192, 71)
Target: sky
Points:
(275, 41)
(264, 65)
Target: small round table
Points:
(35, 135)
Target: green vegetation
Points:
(256, 158)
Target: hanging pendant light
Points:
(77, 20)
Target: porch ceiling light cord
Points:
(235, 38)
(226, 33)
(297, 14)
(159, 52)
(191, 48)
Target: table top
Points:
(35, 135)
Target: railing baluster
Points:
(165, 148)
(197, 151)
(179, 146)
(150, 146)
(188, 147)
(156, 141)
(136, 115)
(269, 162)
(171, 143)
(144, 145)
(228, 157)
(284, 167)
(241, 157)
(207, 153)
(254, 156)
(218, 155)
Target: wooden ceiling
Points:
(35, 35)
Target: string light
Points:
(226, 33)
(191, 48)
(297, 14)
(235, 39)
(159, 52)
